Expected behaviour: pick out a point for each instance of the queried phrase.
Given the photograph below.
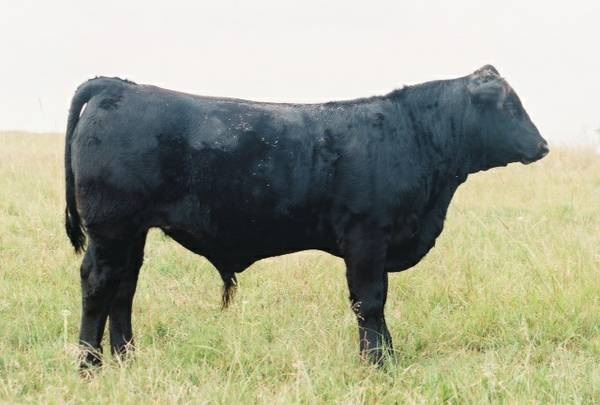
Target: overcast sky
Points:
(301, 51)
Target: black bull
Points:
(368, 180)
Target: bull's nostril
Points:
(543, 146)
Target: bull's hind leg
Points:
(121, 333)
(103, 267)
(368, 283)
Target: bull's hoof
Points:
(90, 361)
(374, 357)
(124, 352)
(378, 356)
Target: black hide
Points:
(368, 180)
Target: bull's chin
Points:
(527, 160)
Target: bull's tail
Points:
(73, 225)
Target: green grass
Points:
(506, 307)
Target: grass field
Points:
(506, 307)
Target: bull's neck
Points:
(435, 114)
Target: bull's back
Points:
(214, 168)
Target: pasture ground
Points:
(506, 307)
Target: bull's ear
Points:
(486, 86)
(486, 71)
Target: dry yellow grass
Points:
(506, 308)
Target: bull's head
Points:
(499, 129)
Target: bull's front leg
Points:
(368, 283)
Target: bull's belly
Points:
(245, 237)
(247, 243)
(244, 248)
